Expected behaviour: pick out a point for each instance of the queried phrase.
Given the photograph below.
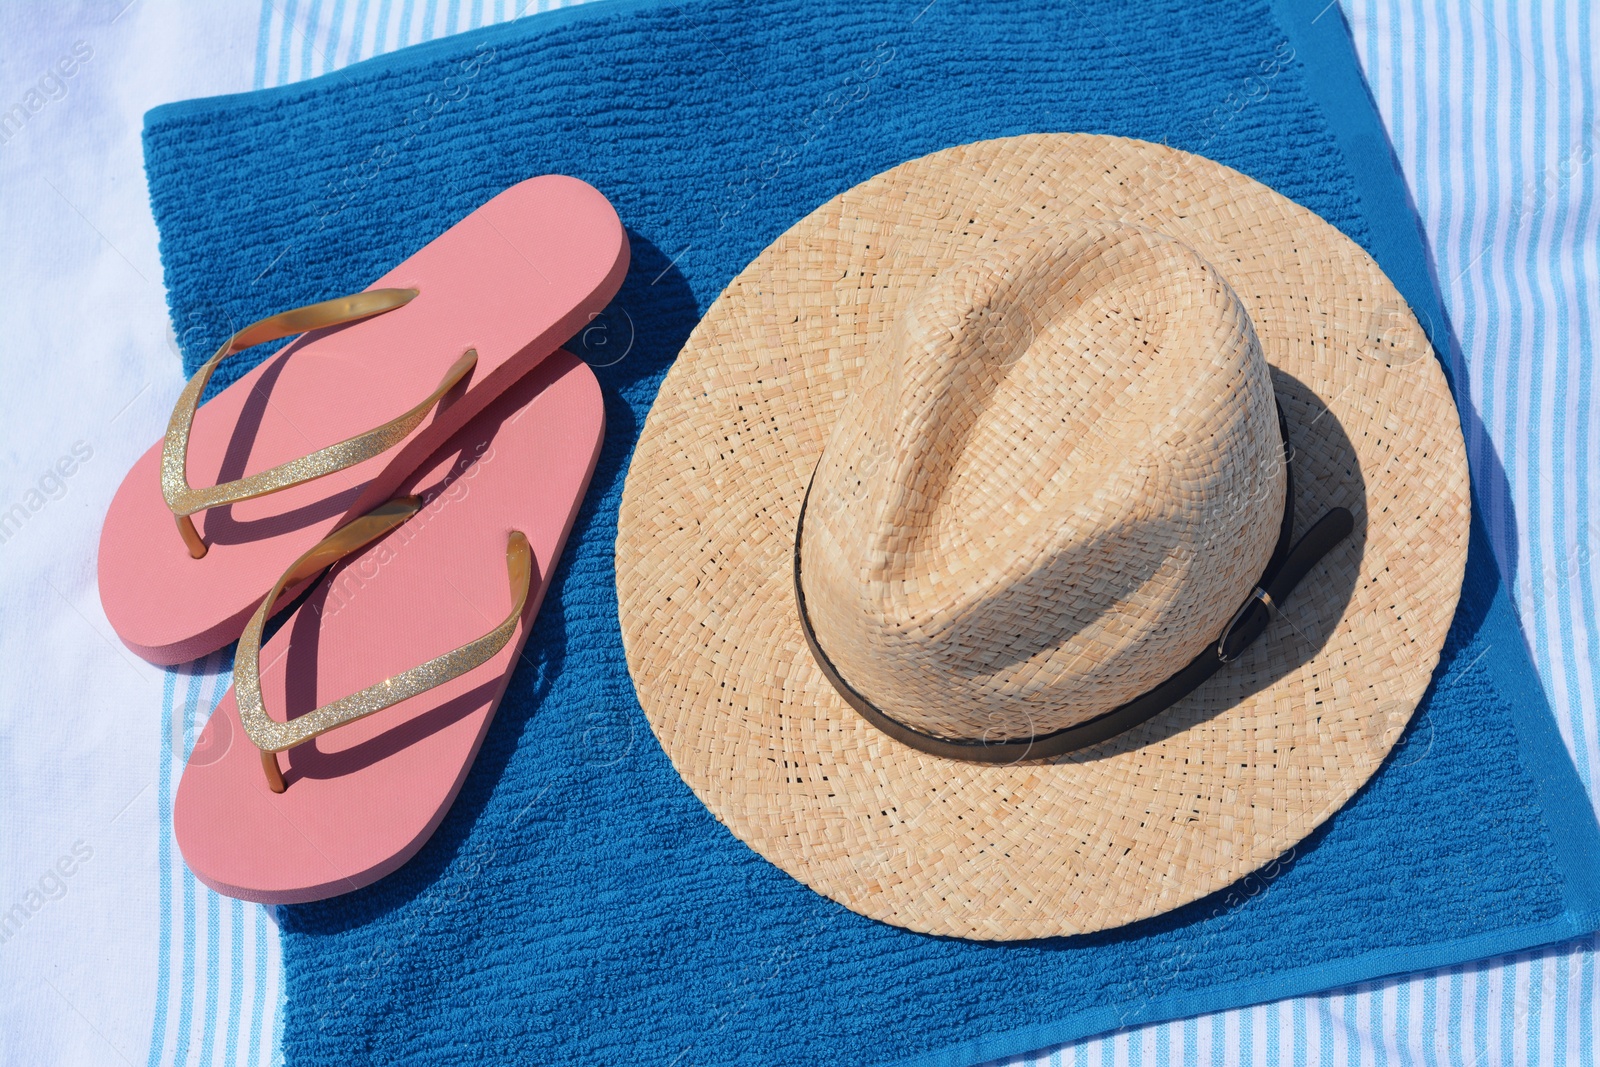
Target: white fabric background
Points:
(110, 952)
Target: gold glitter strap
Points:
(184, 500)
(272, 736)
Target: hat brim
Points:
(1210, 790)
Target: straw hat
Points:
(944, 545)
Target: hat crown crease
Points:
(1056, 485)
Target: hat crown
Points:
(1056, 487)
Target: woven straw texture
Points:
(1064, 477)
(1204, 793)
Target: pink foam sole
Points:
(363, 798)
(514, 280)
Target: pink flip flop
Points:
(289, 453)
(428, 619)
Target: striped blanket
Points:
(1491, 106)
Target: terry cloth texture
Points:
(578, 904)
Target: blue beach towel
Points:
(584, 908)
